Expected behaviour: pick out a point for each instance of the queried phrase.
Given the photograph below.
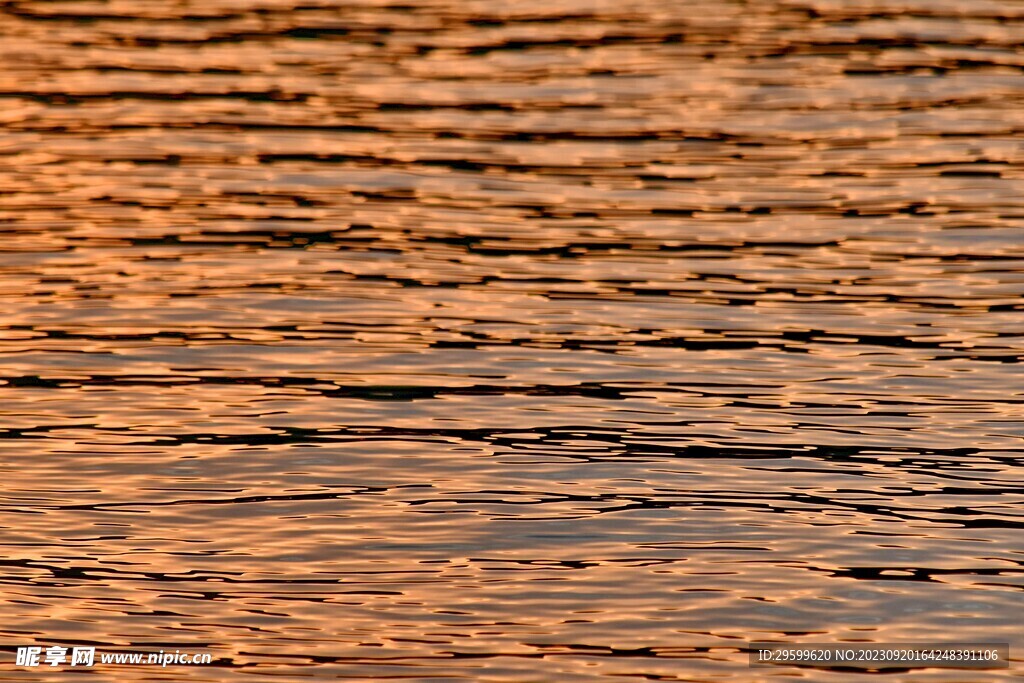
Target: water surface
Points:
(457, 340)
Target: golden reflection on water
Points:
(464, 340)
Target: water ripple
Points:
(460, 340)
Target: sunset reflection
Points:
(536, 341)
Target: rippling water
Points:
(577, 340)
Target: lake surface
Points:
(576, 340)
